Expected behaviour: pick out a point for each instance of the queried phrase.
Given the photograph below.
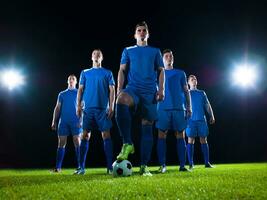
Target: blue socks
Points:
(181, 150)
(161, 149)
(124, 121)
(60, 156)
(107, 143)
(190, 153)
(83, 152)
(205, 151)
(146, 143)
(77, 154)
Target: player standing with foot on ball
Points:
(142, 63)
(197, 124)
(95, 101)
(172, 112)
(69, 123)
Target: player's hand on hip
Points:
(160, 95)
(110, 113)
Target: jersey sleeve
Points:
(159, 60)
(125, 57)
(111, 79)
(82, 79)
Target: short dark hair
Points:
(143, 23)
(191, 76)
(166, 51)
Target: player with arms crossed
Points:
(95, 100)
(69, 123)
(142, 63)
(197, 124)
(171, 112)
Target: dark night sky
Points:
(50, 41)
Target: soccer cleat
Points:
(76, 171)
(109, 171)
(144, 171)
(191, 167)
(79, 171)
(125, 151)
(208, 165)
(162, 169)
(183, 169)
(55, 171)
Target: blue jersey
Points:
(96, 82)
(67, 99)
(143, 63)
(199, 102)
(175, 80)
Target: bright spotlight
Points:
(12, 79)
(245, 75)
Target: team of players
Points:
(165, 100)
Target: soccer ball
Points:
(122, 168)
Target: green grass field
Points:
(226, 181)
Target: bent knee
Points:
(125, 99)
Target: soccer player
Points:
(171, 112)
(95, 101)
(197, 124)
(69, 123)
(142, 62)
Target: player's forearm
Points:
(162, 80)
(55, 115)
(210, 111)
(121, 79)
(112, 97)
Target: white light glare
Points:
(245, 75)
(12, 79)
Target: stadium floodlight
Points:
(244, 75)
(12, 79)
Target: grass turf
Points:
(226, 181)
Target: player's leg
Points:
(178, 123)
(123, 117)
(84, 147)
(205, 151)
(77, 142)
(191, 133)
(181, 149)
(76, 131)
(162, 124)
(63, 133)
(146, 145)
(149, 115)
(203, 133)
(161, 150)
(62, 141)
(107, 144)
(190, 152)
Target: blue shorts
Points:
(67, 128)
(197, 128)
(146, 101)
(171, 120)
(96, 119)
